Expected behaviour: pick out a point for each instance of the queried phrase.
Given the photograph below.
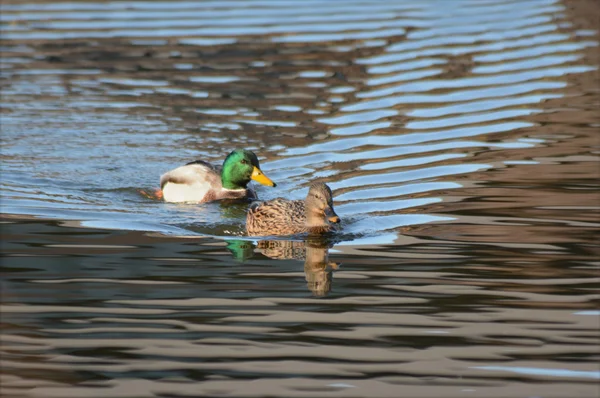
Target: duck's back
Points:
(276, 217)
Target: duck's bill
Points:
(259, 177)
(331, 216)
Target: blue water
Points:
(459, 138)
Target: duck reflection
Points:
(318, 270)
(241, 250)
(314, 251)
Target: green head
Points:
(241, 166)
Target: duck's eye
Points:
(244, 161)
(317, 197)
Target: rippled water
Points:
(460, 139)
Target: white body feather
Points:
(185, 192)
(189, 183)
(196, 182)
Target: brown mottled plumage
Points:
(279, 216)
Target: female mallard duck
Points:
(200, 181)
(287, 217)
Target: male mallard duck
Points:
(287, 217)
(199, 181)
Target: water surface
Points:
(460, 139)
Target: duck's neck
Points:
(229, 184)
(315, 220)
(232, 180)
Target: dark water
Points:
(460, 138)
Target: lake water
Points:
(461, 141)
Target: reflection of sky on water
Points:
(197, 79)
(544, 372)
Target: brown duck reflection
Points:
(314, 251)
(318, 270)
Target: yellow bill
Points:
(259, 177)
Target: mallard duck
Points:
(199, 181)
(279, 216)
